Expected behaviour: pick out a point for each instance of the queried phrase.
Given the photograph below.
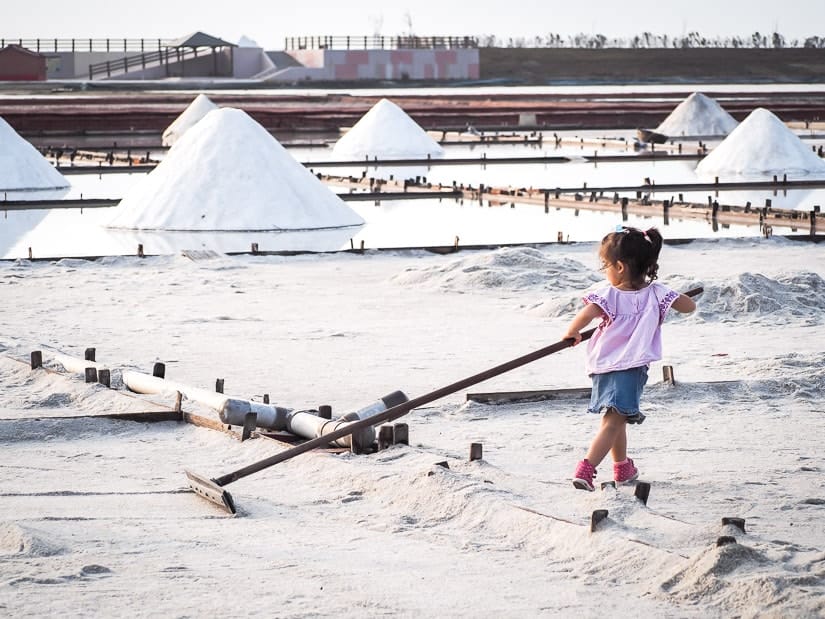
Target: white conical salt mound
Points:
(195, 111)
(228, 173)
(22, 167)
(387, 132)
(697, 115)
(761, 145)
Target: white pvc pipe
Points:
(310, 425)
(232, 411)
(146, 383)
(76, 364)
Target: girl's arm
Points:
(586, 315)
(684, 304)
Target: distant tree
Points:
(777, 40)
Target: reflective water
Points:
(412, 223)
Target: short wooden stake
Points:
(476, 451)
(596, 517)
(89, 354)
(667, 375)
(400, 434)
(725, 540)
(325, 411)
(266, 398)
(642, 491)
(384, 436)
(178, 402)
(739, 523)
(104, 377)
(30, 253)
(250, 422)
(159, 370)
(219, 385)
(36, 359)
(91, 375)
(140, 251)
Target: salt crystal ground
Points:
(96, 518)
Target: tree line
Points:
(648, 40)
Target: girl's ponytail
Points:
(651, 269)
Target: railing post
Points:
(90, 45)
(108, 68)
(124, 46)
(107, 45)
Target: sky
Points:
(268, 22)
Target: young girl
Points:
(631, 308)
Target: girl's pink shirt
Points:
(630, 333)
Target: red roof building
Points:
(21, 64)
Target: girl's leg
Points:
(612, 436)
(619, 449)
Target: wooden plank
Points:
(535, 395)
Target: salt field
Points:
(420, 222)
(302, 325)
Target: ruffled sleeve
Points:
(666, 297)
(598, 297)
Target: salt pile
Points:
(195, 111)
(698, 115)
(22, 167)
(760, 145)
(228, 173)
(387, 132)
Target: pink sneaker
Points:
(625, 471)
(585, 474)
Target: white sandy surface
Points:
(96, 518)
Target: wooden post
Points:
(178, 402)
(642, 491)
(219, 385)
(104, 377)
(400, 434)
(36, 359)
(596, 517)
(476, 451)
(140, 251)
(385, 436)
(254, 248)
(30, 253)
(91, 375)
(325, 411)
(667, 375)
(159, 370)
(739, 523)
(89, 354)
(266, 398)
(250, 422)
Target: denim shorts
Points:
(621, 391)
